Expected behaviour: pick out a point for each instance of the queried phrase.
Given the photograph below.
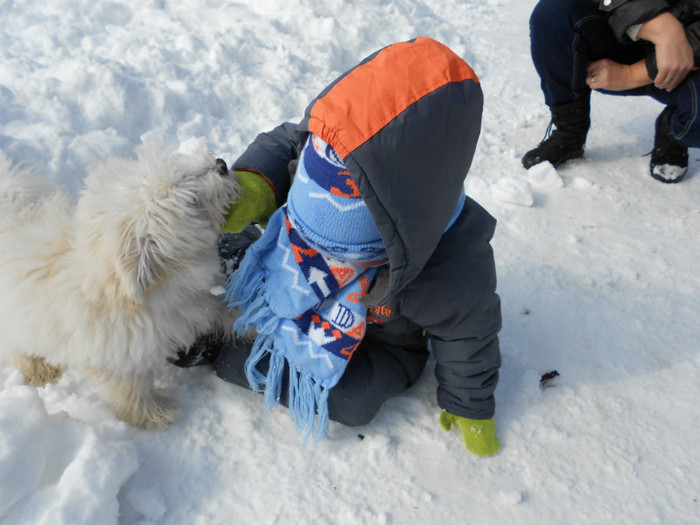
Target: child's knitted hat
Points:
(326, 208)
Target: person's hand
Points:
(674, 55)
(479, 434)
(255, 203)
(613, 76)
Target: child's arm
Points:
(467, 373)
(454, 299)
(264, 172)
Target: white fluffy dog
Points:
(117, 282)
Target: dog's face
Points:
(152, 219)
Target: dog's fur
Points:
(116, 282)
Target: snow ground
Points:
(597, 271)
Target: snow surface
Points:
(597, 262)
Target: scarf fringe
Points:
(245, 292)
(261, 348)
(308, 405)
(308, 399)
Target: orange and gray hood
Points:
(405, 121)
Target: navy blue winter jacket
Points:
(406, 123)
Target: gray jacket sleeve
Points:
(274, 155)
(455, 301)
(621, 14)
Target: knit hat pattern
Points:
(326, 208)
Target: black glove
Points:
(232, 247)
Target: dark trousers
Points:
(390, 359)
(567, 35)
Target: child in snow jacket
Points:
(403, 126)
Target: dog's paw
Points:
(133, 399)
(159, 414)
(150, 411)
(36, 371)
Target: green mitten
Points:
(479, 434)
(255, 203)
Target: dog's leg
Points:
(134, 400)
(37, 372)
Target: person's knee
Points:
(685, 125)
(545, 14)
(555, 16)
(352, 412)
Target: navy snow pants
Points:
(390, 358)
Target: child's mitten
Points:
(479, 434)
(256, 202)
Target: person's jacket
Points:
(406, 121)
(622, 14)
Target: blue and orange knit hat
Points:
(326, 208)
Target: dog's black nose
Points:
(221, 167)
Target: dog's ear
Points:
(150, 265)
(144, 263)
(121, 269)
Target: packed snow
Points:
(597, 264)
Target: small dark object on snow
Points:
(361, 436)
(546, 379)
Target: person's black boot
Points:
(567, 141)
(669, 158)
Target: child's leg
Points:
(377, 371)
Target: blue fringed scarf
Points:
(300, 287)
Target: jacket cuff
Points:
(622, 14)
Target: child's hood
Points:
(405, 121)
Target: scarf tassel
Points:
(308, 399)
(246, 292)
(308, 405)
